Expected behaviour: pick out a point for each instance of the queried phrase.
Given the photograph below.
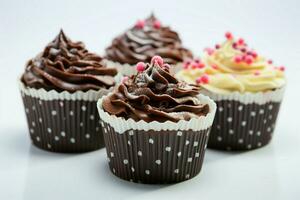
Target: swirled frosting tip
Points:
(155, 95)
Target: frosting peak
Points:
(67, 65)
(145, 40)
(233, 66)
(155, 95)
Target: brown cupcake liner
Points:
(155, 156)
(60, 123)
(244, 122)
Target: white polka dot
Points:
(114, 170)
(187, 142)
(26, 110)
(270, 116)
(38, 138)
(221, 109)
(71, 113)
(270, 107)
(190, 159)
(140, 153)
(196, 144)
(265, 121)
(81, 124)
(151, 141)
(72, 140)
(250, 132)
(61, 104)
(253, 113)
(244, 123)
(207, 133)
(259, 144)
(49, 146)
(83, 108)
(219, 138)
(31, 130)
(63, 134)
(147, 172)
(49, 130)
(40, 102)
(240, 141)
(179, 133)
(158, 162)
(97, 128)
(187, 176)
(249, 146)
(231, 132)
(132, 169)
(33, 124)
(101, 122)
(87, 136)
(56, 138)
(125, 161)
(261, 111)
(112, 154)
(128, 142)
(40, 120)
(92, 117)
(205, 146)
(240, 108)
(269, 129)
(33, 107)
(176, 171)
(53, 112)
(229, 105)
(130, 132)
(218, 127)
(229, 119)
(197, 154)
(179, 154)
(258, 133)
(168, 149)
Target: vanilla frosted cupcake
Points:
(155, 127)
(144, 40)
(247, 88)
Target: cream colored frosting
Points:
(227, 75)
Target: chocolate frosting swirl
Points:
(155, 95)
(67, 65)
(141, 44)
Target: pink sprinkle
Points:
(228, 35)
(158, 60)
(257, 73)
(248, 59)
(204, 79)
(124, 79)
(201, 65)
(254, 54)
(140, 66)
(217, 46)
(240, 41)
(270, 62)
(198, 80)
(166, 66)
(209, 51)
(194, 65)
(197, 61)
(156, 24)
(140, 24)
(238, 59)
(186, 64)
(214, 66)
(282, 68)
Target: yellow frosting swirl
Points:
(233, 67)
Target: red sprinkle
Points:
(214, 66)
(248, 59)
(124, 79)
(228, 35)
(140, 66)
(140, 24)
(254, 54)
(270, 62)
(201, 65)
(209, 51)
(156, 24)
(186, 64)
(234, 45)
(257, 73)
(204, 79)
(240, 41)
(282, 68)
(238, 59)
(217, 46)
(158, 60)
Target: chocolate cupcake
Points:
(144, 40)
(247, 88)
(155, 128)
(60, 87)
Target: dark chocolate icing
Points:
(67, 65)
(141, 44)
(155, 95)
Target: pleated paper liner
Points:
(244, 121)
(63, 122)
(156, 152)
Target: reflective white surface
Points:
(271, 27)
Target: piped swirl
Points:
(66, 65)
(155, 95)
(145, 40)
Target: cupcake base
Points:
(239, 126)
(155, 156)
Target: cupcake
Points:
(247, 88)
(60, 88)
(144, 40)
(155, 128)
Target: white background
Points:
(272, 27)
